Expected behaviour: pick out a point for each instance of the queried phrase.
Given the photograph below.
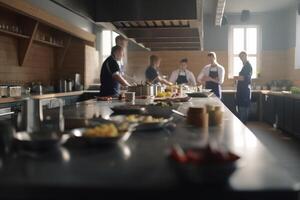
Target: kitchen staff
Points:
(182, 75)
(243, 90)
(212, 75)
(152, 73)
(122, 42)
(111, 76)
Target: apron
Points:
(243, 93)
(181, 79)
(215, 87)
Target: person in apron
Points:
(243, 91)
(183, 75)
(182, 78)
(212, 75)
(214, 86)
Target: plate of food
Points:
(199, 94)
(128, 109)
(173, 99)
(104, 133)
(203, 164)
(163, 108)
(144, 122)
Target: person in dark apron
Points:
(243, 91)
(212, 75)
(215, 87)
(183, 75)
(182, 78)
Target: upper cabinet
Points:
(30, 25)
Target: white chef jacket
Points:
(205, 72)
(189, 76)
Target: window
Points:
(243, 38)
(108, 41)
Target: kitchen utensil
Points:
(129, 96)
(3, 91)
(15, 91)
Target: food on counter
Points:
(164, 94)
(143, 119)
(103, 130)
(164, 104)
(200, 156)
(295, 90)
(104, 98)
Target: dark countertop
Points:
(141, 164)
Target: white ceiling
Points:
(236, 6)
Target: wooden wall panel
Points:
(293, 74)
(92, 68)
(38, 67)
(73, 62)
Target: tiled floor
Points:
(284, 147)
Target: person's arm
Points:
(192, 79)
(220, 79)
(120, 79)
(246, 75)
(164, 81)
(203, 76)
(173, 77)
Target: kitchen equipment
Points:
(77, 83)
(142, 90)
(198, 116)
(41, 140)
(62, 85)
(35, 117)
(158, 89)
(3, 91)
(69, 85)
(37, 88)
(15, 91)
(130, 96)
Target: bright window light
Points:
(243, 38)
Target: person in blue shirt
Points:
(110, 76)
(243, 90)
(152, 73)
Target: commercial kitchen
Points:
(136, 98)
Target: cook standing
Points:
(110, 76)
(183, 75)
(152, 74)
(243, 90)
(212, 75)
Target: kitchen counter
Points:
(141, 164)
(45, 96)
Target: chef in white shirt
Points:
(212, 75)
(182, 75)
(122, 42)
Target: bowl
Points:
(42, 140)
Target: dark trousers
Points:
(243, 113)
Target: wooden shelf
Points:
(49, 43)
(14, 34)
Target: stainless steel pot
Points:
(142, 90)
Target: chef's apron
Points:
(182, 79)
(243, 93)
(215, 87)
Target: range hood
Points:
(157, 24)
